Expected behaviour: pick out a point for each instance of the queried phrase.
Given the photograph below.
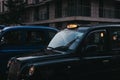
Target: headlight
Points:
(12, 60)
(31, 70)
(9, 63)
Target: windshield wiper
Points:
(71, 42)
(57, 48)
(50, 48)
(63, 48)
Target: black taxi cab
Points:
(74, 53)
(19, 40)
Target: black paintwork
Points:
(8, 51)
(69, 65)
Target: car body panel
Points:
(94, 55)
(14, 48)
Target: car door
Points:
(115, 48)
(96, 58)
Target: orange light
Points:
(114, 38)
(72, 26)
(102, 34)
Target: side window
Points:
(98, 39)
(51, 34)
(35, 37)
(115, 36)
(12, 38)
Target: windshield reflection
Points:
(66, 39)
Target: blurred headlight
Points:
(31, 70)
(12, 60)
(9, 63)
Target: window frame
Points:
(13, 31)
(42, 31)
(105, 44)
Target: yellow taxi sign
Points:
(71, 26)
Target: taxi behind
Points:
(73, 53)
(21, 40)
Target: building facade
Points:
(59, 13)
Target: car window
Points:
(12, 38)
(98, 39)
(115, 36)
(65, 41)
(51, 34)
(35, 37)
(26, 37)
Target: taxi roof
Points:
(94, 27)
(101, 25)
(28, 27)
(98, 26)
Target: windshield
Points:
(66, 39)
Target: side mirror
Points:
(91, 48)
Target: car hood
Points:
(41, 57)
(30, 60)
(36, 57)
(27, 58)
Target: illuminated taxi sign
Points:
(71, 26)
